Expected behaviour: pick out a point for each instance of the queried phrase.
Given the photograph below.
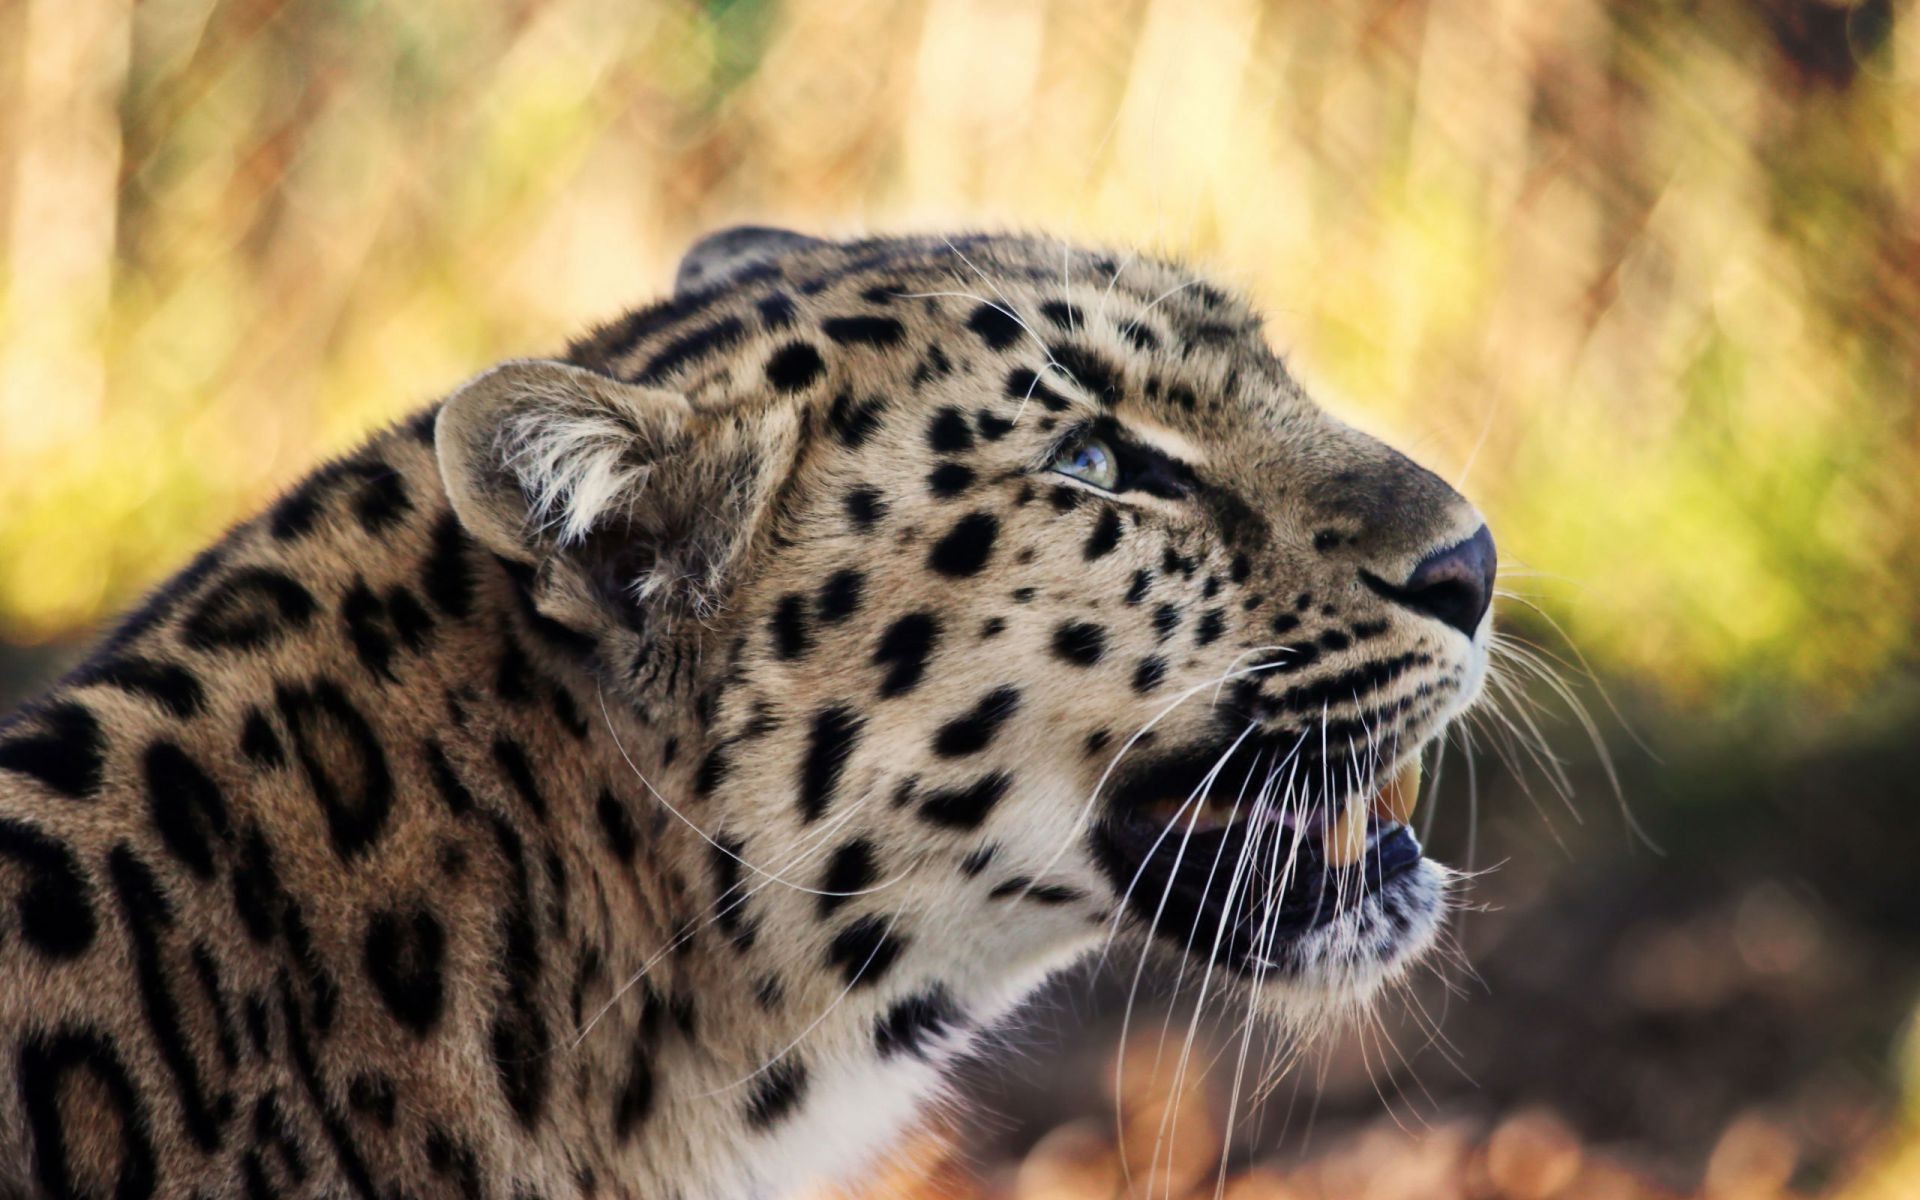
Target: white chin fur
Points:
(1347, 961)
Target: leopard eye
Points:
(1089, 460)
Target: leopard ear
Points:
(620, 497)
(723, 257)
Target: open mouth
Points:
(1210, 852)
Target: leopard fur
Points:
(642, 773)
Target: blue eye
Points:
(1090, 461)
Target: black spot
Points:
(363, 615)
(1093, 372)
(992, 627)
(853, 423)
(964, 549)
(936, 365)
(1079, 643)
(66, 756)
(1047, 894)
(567, 712)
(1284, 623)
(616, 825)
(188, 808)
(56, 918)
(1105, 535)
(977, 859)
(1326, 539)
(776, 1092)
(169, 685)
(776, 311)
(912, 1024)
(46, 1060)
(260, 743)
(512, 758)
(382, 499)
(972, 731)
(1149, 674)
(724, 856)
(1211, 625)
(692, 347)
(1064, 498)
(248, 609)
(445, 575)
(948, 432)
(412, 624)
(1166, 619)
(453, 793)
(770, 993)
(836, 731)
(991, 426)
(1334, 640)
(513, 678)
(1142, 583)
(949, 480)
(256, 887)
(373, 1096)
(343, 760)
(321, 987)
(713, 770)
(791, 637)
(852, 869)
(996, 326)
(1240, 569)
(258, 1017)
(794, 367)
(207, 971)
(1023, 385)
(1097, 741)
(865, 951)
(634, 1102)
(903, 650)
(1144, 339)
(1024, 595)
(270, 1129)
(380, 502)
(965, 807)
(840, 596)
(450, 1158)
(404, 954)
(1062, 315)
(518, 1042)
(880, 332)
(865, 507)
(146, 911)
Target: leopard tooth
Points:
(1401, 795)
(1344, 839)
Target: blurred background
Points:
(1643, 276)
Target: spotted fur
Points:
(643, 773)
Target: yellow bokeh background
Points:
(1646, 278)
(1642, 277)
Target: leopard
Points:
(652, 770)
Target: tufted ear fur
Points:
(725, 256)
(628, 503)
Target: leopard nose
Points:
(1453, 585)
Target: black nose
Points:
(1454, 585)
